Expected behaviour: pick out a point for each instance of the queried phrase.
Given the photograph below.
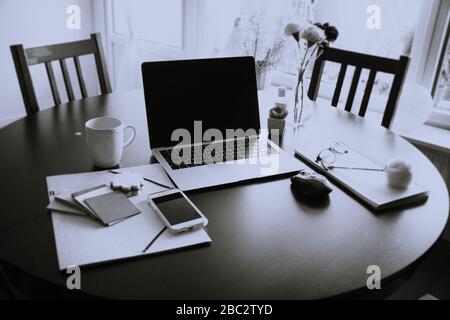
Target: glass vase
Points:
(261, 75)
(302, 105)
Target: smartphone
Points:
(176, 211)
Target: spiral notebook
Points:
(368, 186)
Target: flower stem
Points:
(300, 82)
(301, 103)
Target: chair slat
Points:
(80, 77)
(367, 93)
(316, 77)
(100, 61)
(340, 82)
(366, 61)
(60, 51)
(353, 87)
(67, 81)
(53, 85)
(394, 94)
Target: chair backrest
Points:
(23, 58)
(360, 61)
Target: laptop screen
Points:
(221, 93)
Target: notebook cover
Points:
(57, 206)
(112, 207)
(65, 198)
(79, 197)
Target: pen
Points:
(146, 179)
(352, 168)
(154, 239)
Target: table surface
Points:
(266, 243)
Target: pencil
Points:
(351, 168)
(154, 239)
(146, 179)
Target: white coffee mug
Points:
(105, 140)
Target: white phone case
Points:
(185, 226)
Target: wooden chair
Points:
(360, 61)
(23, 58)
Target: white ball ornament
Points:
(398, 173)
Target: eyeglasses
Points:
(328, 156)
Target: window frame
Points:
(104, 22)
(443, 50)
(427, 50)
(440, 117)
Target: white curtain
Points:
(128, 74)
(217, 19)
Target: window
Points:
(156, 30)
(437, 74)
(441, 84)
(392, 36)
(265, 19)
(142, 30)
(257, 26)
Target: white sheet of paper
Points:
(83, 241)
(56, 206)
(65, 197)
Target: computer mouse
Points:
(310, 185)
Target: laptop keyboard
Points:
(237, 149)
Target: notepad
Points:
(81, 195)
(112, 207)
(57, 206)
(106, 205)
(370, 187)
(64, 199)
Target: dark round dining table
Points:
(267, 244)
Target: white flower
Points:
(313, 35)
(292, 30)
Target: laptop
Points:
(204, 126)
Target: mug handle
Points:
(131, 138)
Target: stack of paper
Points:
(105, 205)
